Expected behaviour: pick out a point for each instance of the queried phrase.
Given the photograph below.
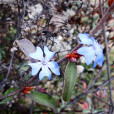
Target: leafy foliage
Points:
(56, 24)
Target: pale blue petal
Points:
(48, 54)
(45, 72)
(88, 52)
(99, 60)
(85, 39)
(54, 67)
(37, 55)
(98, 48)
(35, 67)
(92, 38)
(99, 54)
(95, 63)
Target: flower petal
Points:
(35, 67)
(45, 72)
(95, 63)
(99, 59)
(85, 38)
(38, 54)
(54, 67)
(48, 54)
(88, 52)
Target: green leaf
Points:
(9, 91)
(24, 67)
(90, 103)
(86, 111)
(98, 83)
(6, 93)
(97, 110)
(43, 99)
(69, 82)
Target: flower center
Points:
(44, 63)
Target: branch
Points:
(12, 57)
(9, 69)
(107, 60)
(20, 89)
(104, 18)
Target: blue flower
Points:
(94, 51)
(44, 64)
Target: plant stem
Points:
(107, 61)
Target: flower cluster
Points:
(94, 51)
(44, 64)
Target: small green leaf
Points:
(9, 91)
(70, 79)
(97, 110)
(5, 100)
(24, 67)
(43, 99)
(6, 93)
(98, 83)
(90, 103)
(86, 111)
